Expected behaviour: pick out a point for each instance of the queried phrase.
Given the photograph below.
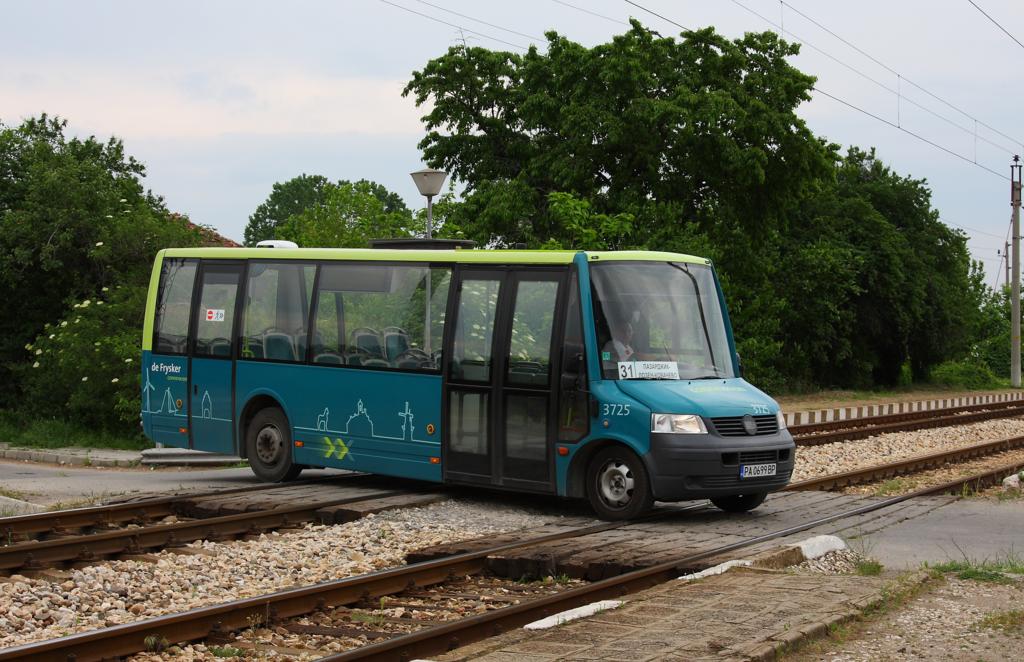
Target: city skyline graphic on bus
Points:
(360, 424)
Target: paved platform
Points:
(745, 614)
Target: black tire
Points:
(740, 503)
(268, 444)
(617, 484)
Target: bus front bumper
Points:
(684, 466)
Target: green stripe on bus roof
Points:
(390, 255)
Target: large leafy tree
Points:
(349, 215)
(76, 225)
(300, 194)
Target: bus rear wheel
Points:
(617, 484)
(740, 503)
(268, 444)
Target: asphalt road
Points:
(48, 484)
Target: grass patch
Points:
(366, 617)
(11, 494)
(983, 571)
(868, 568)
(61, 434)
(893, 486)
(1008, 621)
(226, 651)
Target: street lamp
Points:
(429, 183)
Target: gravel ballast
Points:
(815, 461)
(123, 591)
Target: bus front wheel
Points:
(617, 484)
(268, 443)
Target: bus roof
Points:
(465, 255)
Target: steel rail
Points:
(905, 416)
(146, 508)
(439, 639)
(221, 619)
(905, 466)
(901, 426)
(35, 554)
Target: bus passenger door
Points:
(211, 388)
(501, 416)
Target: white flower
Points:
(77, 320)
(106, 289)
(85, 379)
(51, 336)
(64, 323)
(38, 352)
(36, 364)
(86, 303)
(97, 344)
(99, 303)
(29, 347)
(110, 216)
(127, 360)
(114, 380)
(99, 243)
(124, 200)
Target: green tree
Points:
(349, 215)
(300, 194)
(74, 218)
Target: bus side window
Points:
(177, 278)
(277, 305)
(380, 316)
(573, 421)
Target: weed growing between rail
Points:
(1007, 621)
(996, 571)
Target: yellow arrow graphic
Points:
(342, 449)
(330, 447)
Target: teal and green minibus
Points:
(610, 376)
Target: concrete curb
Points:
(55, 456)
(20, 507)
(183, 457)
(783, 642)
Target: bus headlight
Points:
(781, 418)
(678, 424)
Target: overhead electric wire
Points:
(897, 93)
(654, 13)
(453, 25)
(996, 23)
(908, 132)
(901, 76)
(477, 20)
(587, 11)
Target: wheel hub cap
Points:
(269, 445)
(615, 481)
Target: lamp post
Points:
(429, 182)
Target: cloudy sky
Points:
(222, 99)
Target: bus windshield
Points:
(659, 320)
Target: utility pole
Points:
(1015, 186)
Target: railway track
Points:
(815, 434)
(908, 465)
(140, 529)
(216, 623)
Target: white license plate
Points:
(757, 470)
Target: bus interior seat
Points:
(220, 347)
(278, 345)
(375, 363)
(368, 340)
(332, 358)
(396, 341)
